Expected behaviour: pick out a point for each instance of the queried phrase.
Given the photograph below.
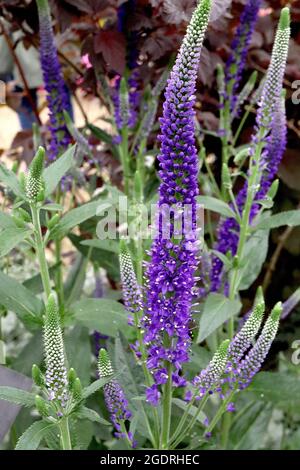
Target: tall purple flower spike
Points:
(271, 131)
(239, 49)
(115, 399)
(57, 96)
(170, 273)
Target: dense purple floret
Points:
(228, 232)
(116, 403)
(57, 96)
(114, 396)
(170, 274)
(239, 49)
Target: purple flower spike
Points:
(244, 338)
(270, 133)
(131, 290)
(239, 49)
(115, 399)
(210, 377)
(170, 274)
(255, 358)
(57, 96)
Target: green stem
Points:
(177, 438)
(166, 411)
(153, 436)
(40, 250)
(59, 274)
(124, 431)
(241, 125)
(65, 434)
(226, 425)
(219, 413)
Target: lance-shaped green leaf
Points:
(32, 437)
(54, 172)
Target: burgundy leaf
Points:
(157, 44)
(177, 11)
(219, 8)
(111, 44)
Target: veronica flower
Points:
(270, 131)
(211, 375)
(252, 363)
(114, 396)
(126, 101)
(239, 49)
(151, 110)
(244, 338)
(131, 290)
(57, 96)
(170, 274)
(56, 373)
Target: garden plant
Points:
(136, 254)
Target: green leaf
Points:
(75, 280)
(100, 134)
(253, 258)
(290, 218)
(217, 309)
(199, 359)
(52, 207)
(105, 315)
(82, 433)
(54, 172)
(77, 216)
(106, 245)
(17, 396)
(95, 386)
(78, 351)
(31, 438)
(193, 410)
(280, 388)
(215, 205)
(35, 284)
(131, 379)
(14, 296)
(6, 221)
(104, 259)
(91, 415)
(249, 427)
(11, 180)
(10, 238)
(32, 353)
